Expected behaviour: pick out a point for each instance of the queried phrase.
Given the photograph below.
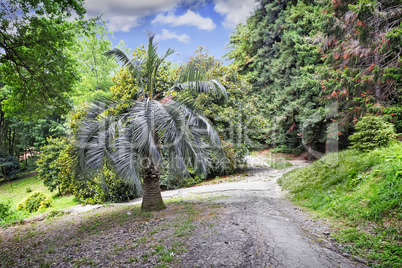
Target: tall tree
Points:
(154, 129)
(361, 46)
(34, 36)
(94, 68)
(316, 62)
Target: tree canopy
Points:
(34, 64)
(317, 66)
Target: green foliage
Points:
(316, 66)
(19, 137)
(56, 169)
(4, 211)
(372, 132)
(357, 187)
(174, 182)
(35, 37)
(386, 253)
(49, 168)
(126, 88)
(237, 117)
(373, 178)
(14, 192)
(393, 115)
(9, 167)
(106, 186)
(281, 66)
(141, 97)
(34, 202)
(103, 186)
(94, 67)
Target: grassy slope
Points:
(15, 191)
(363, 191)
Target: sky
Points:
(182, 25)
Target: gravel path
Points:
(260, 229)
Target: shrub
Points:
(56, 169)
(372, 132)
(9, 167)
(48, 168)
(234, 156)
(34, 202)
(104, 187)
(393, 114)
(4, 211)
(174, 182)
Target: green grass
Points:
(362, 190)
(15, 191)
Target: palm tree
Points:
(152, 132)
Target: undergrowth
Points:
(363, 190)
(12, 193)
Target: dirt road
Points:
(261, 229)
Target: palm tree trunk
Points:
(152, 199)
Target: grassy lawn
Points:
(15, 191)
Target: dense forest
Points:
(318, 66)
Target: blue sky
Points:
(180, 24)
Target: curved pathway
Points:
(257, 226)
(261, 229)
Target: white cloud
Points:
(122, 15)
(235, 11)
(166, 34)
(189, 18)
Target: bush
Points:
(48, 168)
(393, 115)
(234, 157)
(104, 187)
(4, 211)
(372, 132)
(34, 202)
(9, 167)
(56, 169)
(170, 182)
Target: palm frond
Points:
(176, 140)
(206, 135)
(94, 144)
(126, 161)
(141, 131)
(187, 139)
(160, 60)
(194, 80)
(134, 66)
